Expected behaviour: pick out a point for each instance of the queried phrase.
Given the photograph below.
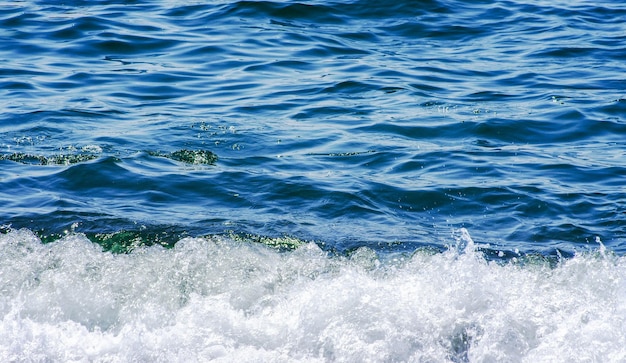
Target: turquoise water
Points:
(312, 181)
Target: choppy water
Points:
(314, 171)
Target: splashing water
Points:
(217, 298)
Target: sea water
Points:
(351, 181)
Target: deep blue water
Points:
(368, 128)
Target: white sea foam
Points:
(231, 301)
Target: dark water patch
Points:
(415, 131)
(60, 159)
(286, 12)
(329, 112)
(529, 131)
(17, 19)
(199, 157)
(123, 44)
(21, 71)
(127, 241)
(364, 9)
(348, 87)
(279, 66)
(10, 85)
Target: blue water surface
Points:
(312, 181)
(388, 124)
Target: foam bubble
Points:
(216, 298)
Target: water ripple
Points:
(350, 121)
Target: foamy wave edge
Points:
(216, 298)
